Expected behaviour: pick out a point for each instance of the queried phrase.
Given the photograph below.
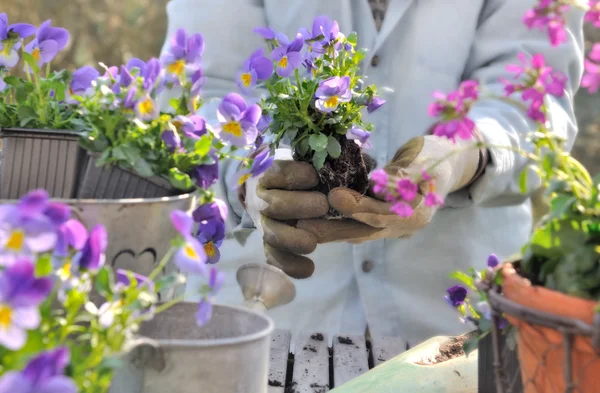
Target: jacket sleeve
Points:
(229, 40)
(500, 36)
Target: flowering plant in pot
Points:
(65, 315)
(315, 101)
(548, 298)
(135, 150)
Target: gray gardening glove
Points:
(276, 200)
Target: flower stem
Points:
(169, 304)
(162, 263)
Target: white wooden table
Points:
(317, 368)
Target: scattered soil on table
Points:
(291, 388)
(319, 388)
(451, 349)
(309, 348)
(345, 340)
(318, 337)
(351, 169)
(275, 383)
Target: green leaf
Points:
(318, 142)
(25, 112)
(13, 81)
(203, 145)
(23, 92)
(462, 277)
(43, 266)
(333, 147)
(319, 159)
(523, 181)
(470, 345)
(179, 179)
(30, 61)
(126, 153)
(352, 38)
(302, 147)
(168, 281)
(142, 167)
(103, 281)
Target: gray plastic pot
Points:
(48, 159)
(228, 355)
(112, 182)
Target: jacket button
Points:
(367, 266)
(375, 61)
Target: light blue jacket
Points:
(423, 46)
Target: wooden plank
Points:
(311, 364)
(384, 348)
(280, 351)
(350, 358)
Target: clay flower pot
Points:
(542, 349)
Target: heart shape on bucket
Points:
(142, 262)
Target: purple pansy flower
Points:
(24, 228)
(262, 161)
(10, 36)
(270, 35)
(257, 67)
(493, 261)
(190, 257)
(206, 175)
(20, 295)
(123, 277)
(71, 234)
(58, 213)
(216, 209)
(197, 83)
(81, 82)
(205, 307)
(374, 104)
(238, 120)
(172, 140)
(360, 136)
(47, 43)
(456, 295)
(184, 53)
(331, 92)
(43, 374)
(193, 126)
(146, 108)
(211, 234)
(288, 57)
(92, 257)
(326, 27)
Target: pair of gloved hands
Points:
(290, 216)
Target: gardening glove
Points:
(275, 201)
(370, 218)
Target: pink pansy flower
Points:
(407, 189)
(548, 15)
(593, 14)
(591, 77)
(453, 109)
(380, 180)
(402, 209)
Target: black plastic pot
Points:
(112, 182)
(48, 159)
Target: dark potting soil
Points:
(275, 383)
(351, 169)
(345, 340)
(317, 337)
(448, 351)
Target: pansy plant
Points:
(313, 96)
(53, 336)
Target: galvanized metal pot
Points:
(48, 159)
(139, 230)
(228, 355)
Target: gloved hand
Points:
(370, 218)
(276, 200)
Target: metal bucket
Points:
(139, 230)
(48, 159)
(228, 355)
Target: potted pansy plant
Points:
(68, 321)
(315, 101)
(102, 139)
(546, 300)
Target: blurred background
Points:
(112, 31)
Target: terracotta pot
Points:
(541, 349)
